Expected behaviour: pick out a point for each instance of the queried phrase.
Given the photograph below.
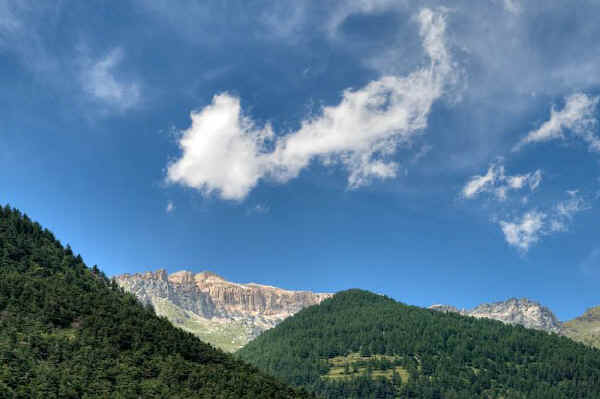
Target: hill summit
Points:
(360, 345)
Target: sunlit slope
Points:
(66, 331)
(585, 328)
(360, 345)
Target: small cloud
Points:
(423, 151)
(170, 207)
(100, 81)
(527, 230)
(496, 182)
(577, 116)
(575, 204)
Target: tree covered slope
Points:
(66, 331)
(362, 345)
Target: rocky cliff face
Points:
(522, 311)
(221, 312)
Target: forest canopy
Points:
(362, 345)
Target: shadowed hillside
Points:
(66, 331)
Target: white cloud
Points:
(496, 182)
(223, 151)
(99, 81)
(576, 116)
(527, 230)
(565, 210)
(170, 207)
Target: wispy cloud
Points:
(577, 116)
(9, 21)
(170, 207)
(496, 182)
(258, 209)
(224, 151)
(99, 79)
(525, 231)
(591, 264)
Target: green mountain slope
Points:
(66, 331)
(362, 345)
(585, 328)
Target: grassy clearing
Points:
(348, 367)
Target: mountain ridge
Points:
(229, 314)
(532, 314)
(523, 311)
(224, 313)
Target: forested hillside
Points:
(66, 331)
(362, 345)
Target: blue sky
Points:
(435, 152)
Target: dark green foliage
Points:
(67, 331)
(446, 355)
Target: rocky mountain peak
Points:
(523, 311)
(182, 277)
(209, 277)
(206, 301)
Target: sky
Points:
(432, 151)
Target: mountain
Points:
(362, 345)
(225, 314)
(67, 331)
(529, 314)
(585, 328)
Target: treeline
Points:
(445, 355)
(67, 331)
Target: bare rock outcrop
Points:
(525, 312)
(216, 309)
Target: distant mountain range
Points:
(225, 314)
(532, 314)
(229, 315)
